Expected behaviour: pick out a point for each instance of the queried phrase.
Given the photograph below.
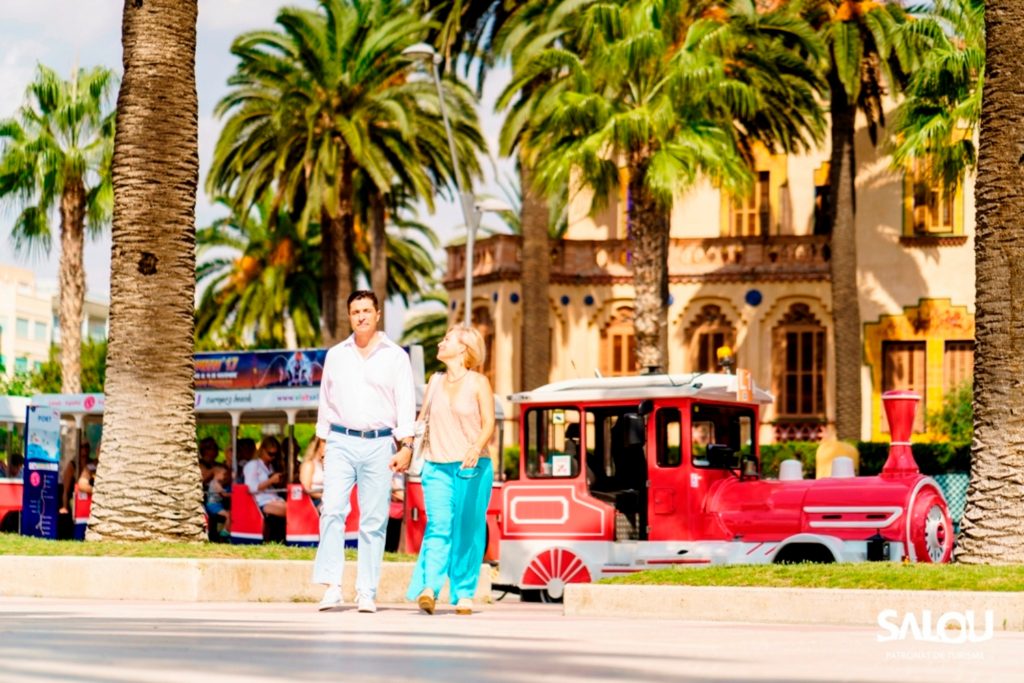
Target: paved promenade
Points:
(87, 641)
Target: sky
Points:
(86, 33)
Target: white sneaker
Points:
(464, 606)
(366, 605)
(331, 599)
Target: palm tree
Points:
(866, 58)
(55, 156)
(147, 484)
(325, 100)
(483, 32)
(993, 522)
(937, 120)
(671, 91)
(264, 292)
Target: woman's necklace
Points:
(448, 378)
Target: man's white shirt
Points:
(376, 392)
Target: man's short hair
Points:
(209, 442)
(363, 294)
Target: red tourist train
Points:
(623, 474)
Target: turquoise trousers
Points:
(453, 544)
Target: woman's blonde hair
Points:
(476, 351)
(313, 448)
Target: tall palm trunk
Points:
(337, 233)
(72, 284)
(378, 249)
(993, 522)
(845, 301)
(147, 483)
(535, 358)
(649, 228)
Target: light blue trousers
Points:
(456, 534)
(350, 460)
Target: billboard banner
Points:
(40, 501)
(259, 369)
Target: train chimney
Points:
(900, 407)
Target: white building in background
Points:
(29, 320)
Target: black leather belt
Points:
(370, 434)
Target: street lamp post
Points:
(471, 209)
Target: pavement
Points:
(45, 639)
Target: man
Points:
(367, 402)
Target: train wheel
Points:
(931, 531)
(548, 573)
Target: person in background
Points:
(88, 476)
(246, 452)
(259, 478)
(208, 452)
(72, 471)
(216, 490)
(16, 462)
(311, 472)
(457, 474)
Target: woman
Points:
(457, 474)
(311, 472)
(259, 477)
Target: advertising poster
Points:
(41, 492)
(259, 369)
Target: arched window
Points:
(798, 364)
(618, 344)
(709, 331)
(484, 323)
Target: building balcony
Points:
(716, 259)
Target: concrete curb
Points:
(192, 580)
(791, 605)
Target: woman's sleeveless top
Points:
(454, 423)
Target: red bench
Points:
(83, 506)
(10, 502)
(246, 517)
(302, 527)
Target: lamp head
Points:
(424, 51)
(491, 205)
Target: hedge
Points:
(933, 458)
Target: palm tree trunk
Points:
(72, 284)
(147, 483)
(845, 301)
(336, 262)
(649, 229)
(993, 523)
(535, 355)
(378, 249)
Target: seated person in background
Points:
(259, 478)
(246, 452)
(208, 451)
(14, 465)
(88, 476)
(72, 470)
(220, 482)
(311, 472)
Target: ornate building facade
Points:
(753, 273)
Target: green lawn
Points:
(13, 544)
(858, 575)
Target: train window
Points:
(721, 436)
(552, 443)
(670, 442)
